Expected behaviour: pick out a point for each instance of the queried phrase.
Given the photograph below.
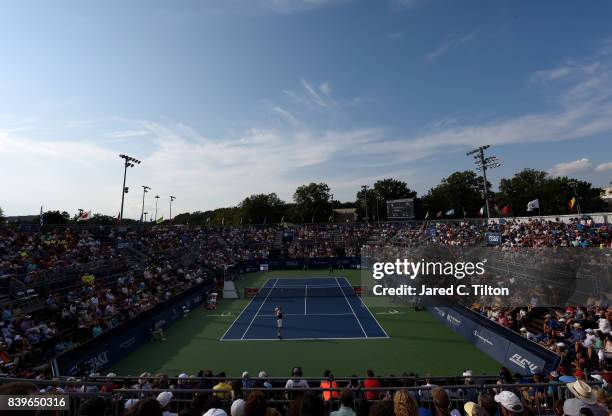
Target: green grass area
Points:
(418, 343)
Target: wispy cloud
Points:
(320, 96)
(125, 134)
(450, 43)
(294, 6)
(287, 116)
(569, 168)
(604, 167)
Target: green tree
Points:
(523, 187)
(312, 202)
(461, 191)
(553, 193)
(56, 218)
(260, 207)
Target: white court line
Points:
(305, 298)
(350, 306)
(311, 314)
(260, 306)
(241, 312)
(376, 320)
(299, 339)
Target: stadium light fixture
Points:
(365, 201)
(482, 164)
(172, 198)
(156, 200)
(145, 189)
(128, 162)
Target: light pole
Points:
(365, 201)
(332, 206)
(574, 185)
(156, 199)
(129, 162)
(482, 164)
(145, 189)
(172, 198)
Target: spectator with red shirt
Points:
(369, 383)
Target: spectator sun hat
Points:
(164, 398)
(510, 401)
(237, 408)
(129, 403)
(468, 407)
(215, 412)
(582, 391)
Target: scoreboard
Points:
(399, 209)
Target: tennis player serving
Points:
(278, 311)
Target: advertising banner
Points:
(510, 349)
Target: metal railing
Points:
(539, 397)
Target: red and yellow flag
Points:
(572, 202)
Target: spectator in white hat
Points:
(215, 412)
(247, 383)
(509, 402)
(237, 408)
(130, 404)
(164, 398)
(583, 392)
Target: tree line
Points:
(460, 192)
(456, 196)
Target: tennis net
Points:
(301, 291)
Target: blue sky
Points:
(224, 98)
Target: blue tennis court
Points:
(313, 308)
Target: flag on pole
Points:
(450, 212)
(85, 216)
(223, 221)
(42, 221)
(439, 214)
(507, 210)
(159, 220)
(481, 212)
(533, 205)
(427, 215)
(282, 219)
(572, 203)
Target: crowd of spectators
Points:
(205, 394)
(92, 306)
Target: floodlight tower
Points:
(172, 198)
(365, 201)
(129, 162)
(482, 164)
(156, 200)
(145, 189)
